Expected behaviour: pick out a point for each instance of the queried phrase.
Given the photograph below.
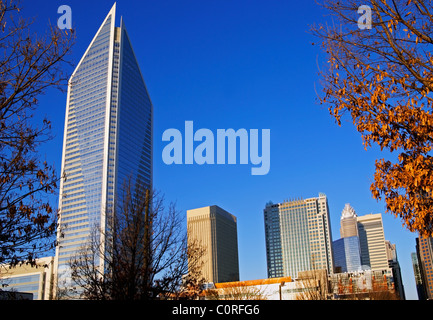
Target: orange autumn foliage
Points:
(382, 78)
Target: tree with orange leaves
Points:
(382, 78)
(30, 64)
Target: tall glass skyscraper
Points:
(107, 137)
(298, 237)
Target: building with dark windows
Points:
(107, 138)
(395, 268)
(418, 277)
(424, 254)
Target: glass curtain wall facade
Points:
(298, 237)
(347, 254)
(107, 138)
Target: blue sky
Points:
(237, 64)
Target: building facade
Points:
(362, 247)
(347, 251)
(366, 284)
(37, 281)
(372, 241)
(394, 265)
(425, 259)
(216, 231)
(107, 139)
(298, 237)
(347, 256)
(348, 222)
(261, 289)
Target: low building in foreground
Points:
(27, 282)
(262, 289)
(309, 285)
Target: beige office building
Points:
(298, 236)
(216, 230)
(372, 241)
(348, 222)
(36, 283)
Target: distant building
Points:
(347, 251)
(216, 231)
(425, 258)
(395, 268)
(309, 286)
(347, 256)
(298, 237)
(363, 236)
(263, 289)
(26, 282)
(363, 247)
(348, 222)
(418, 277)
(366, 284)
(372, 241)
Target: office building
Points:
(27, 282)
(364, 234)
(418, 277)
(366, 284)
(261, 289)
(216, 231)
(298, 237)
(347, 256)
(425, 258)
(346, 250)
(348, 222)
(372, 241)
(393, 263)
(107, 139)
(310, 285)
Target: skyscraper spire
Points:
(348, 222)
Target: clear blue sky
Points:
(237, 64)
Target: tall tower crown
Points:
(348, 212)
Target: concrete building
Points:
(298, 237)
(372, 241)
(26, 281)
(216, 230)
(348, 222)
